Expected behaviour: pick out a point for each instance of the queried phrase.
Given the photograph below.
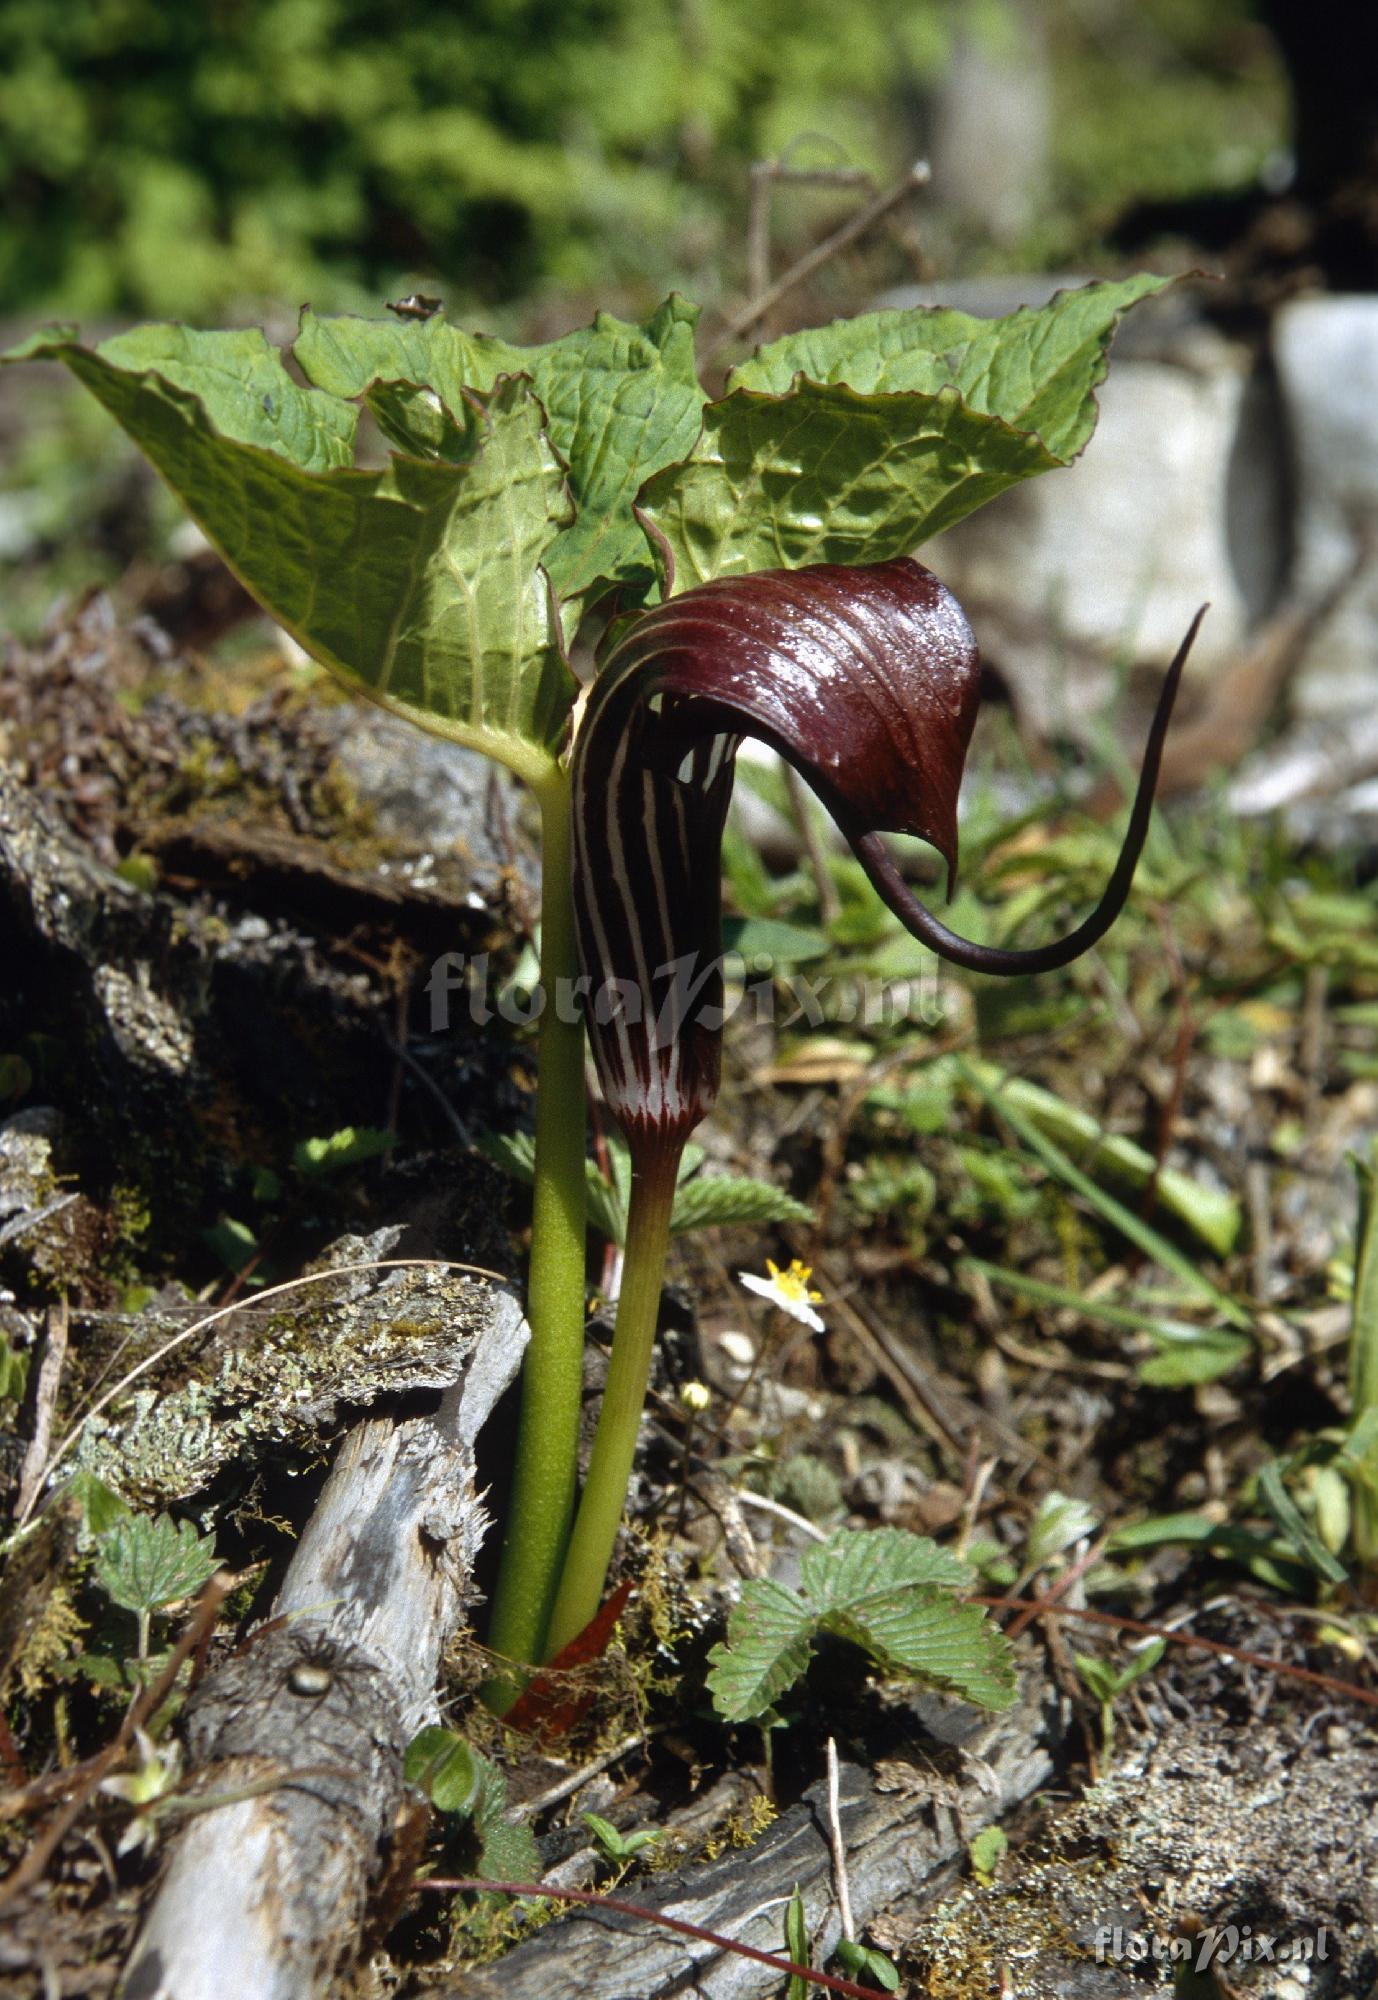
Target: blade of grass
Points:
(1363, 1342)
(1099, 1310)
(1210, 1214)
(1296, 1528)
(1120, 1218)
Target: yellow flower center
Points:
(794, 1283)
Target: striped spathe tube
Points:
(867, 680)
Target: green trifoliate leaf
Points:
(891, 1593)
(855, 442)
(421, 585)
(924, 1634)
(620, 402)
(1035, 369)
(144, 1563)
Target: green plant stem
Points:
(541, 1500)
(1363, 1347)
(614, 1444)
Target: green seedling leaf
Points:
(1209, 1213)
(1105, 1681)
(14, 1373)
(421, 585)
(619, 1847)
(986, 1850)
(345, 1148)
(797, 1945)
(620, 402)
(1160, 1529)
(1120, 1218)
(1331, 1506)
(234, 1243)
(1058, 1524)
(865, 1964)
(1295, 1528)
(891, 1593)
(101, 1506)
(143, 1562)
(462, 1782)
(443, 1766)
(1259, 1554)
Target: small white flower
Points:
(695, 1397)
(155, 1775)
(789, 1290)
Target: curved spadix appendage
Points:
(920, 921)
(867, 680)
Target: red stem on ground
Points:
(1039, 1609)
(594, 1900)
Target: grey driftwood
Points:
(265, 1895)
(904, 1824)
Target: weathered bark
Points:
(265, 1896)
(903, 1826)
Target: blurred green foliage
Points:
(174, 159)
(186, 160)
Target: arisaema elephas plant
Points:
(756, 551)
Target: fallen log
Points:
(905, 1826)
(296, 1742)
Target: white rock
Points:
(1176, 501)
(1327, 361)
